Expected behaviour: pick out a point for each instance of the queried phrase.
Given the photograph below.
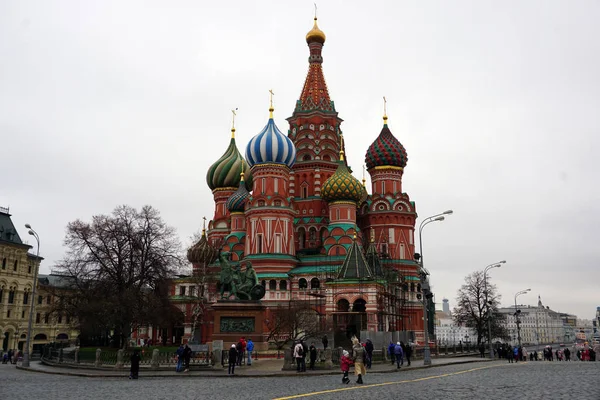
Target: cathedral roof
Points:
(373, 260)
(202, 251)
(386, 150)
(271, 146)
(225, 171)
(342, 186)
(355, 265)
(237, 201)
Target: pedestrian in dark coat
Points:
(187, 354)
(369, 349)
(233, 356)
(313, 355)
(135, 365)
(408, 353)
(325, 342)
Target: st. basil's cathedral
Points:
(313, 233)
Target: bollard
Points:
(98, 358)
(154, 363)
(120, 355)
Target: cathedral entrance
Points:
(348, 322)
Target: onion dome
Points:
(225, 171)
(237, 201)
(386, 150)
(271, 146)
(315, 34)
(202, 252)
(342, 186)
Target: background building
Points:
(17, 271)
(447, 332)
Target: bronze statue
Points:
(242, 286)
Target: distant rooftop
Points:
(8, 233)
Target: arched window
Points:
(1, 293)
(40, 336)
(26, 296)
(62, 336)
(16, 265)
(343, 305)
(301, 237)
(418, 287)
(302, 283)
(263, 283)
(282, 285)
(312, 233)
(412, 287)
(306, 157)
(4, 263)
(314, 283)
(360, 305)
(272, 284)
(11, 295)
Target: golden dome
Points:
(315, 34)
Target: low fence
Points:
(122, 358)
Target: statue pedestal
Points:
(236, 318)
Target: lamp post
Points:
(425, 284)
(489, 316)
(25, 362)
(517, 314)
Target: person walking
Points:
(509, 355)
(408, 353)
(369, 349)
(238, 348)
(233, 357)
(567, 354)
(179, 353)
(299, 356)
(249, 350)
(358, 356)
(345, 363)
(398, 354)
(187, 355)
(135, 359)
(312, 351)
(481, 351)
(391, 347)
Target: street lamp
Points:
(517, 314)
(25, 362)
(425, 284)
(494, 265)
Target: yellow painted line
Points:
(297, 396)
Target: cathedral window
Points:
(277, 243)
(306, 157)
(259, 243)
(304, 192)
(283, 285)
(312, 234)
(182, 290)
(273, 285)
(276, 185)
(302, 283)
(314, 283)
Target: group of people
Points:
(398, 352)
(237, 352)
(11, 356)
(300, 351)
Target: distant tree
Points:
(471, 309)
(118, 267)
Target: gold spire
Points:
(385, 118)
(204, 226)
(341, 147)
(315, 34)
(242, 173)
(233, 123)
(271, 109)
(372, 235)
(364, 180)
(355, 236)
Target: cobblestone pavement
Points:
(492, 380)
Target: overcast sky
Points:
(105, 103)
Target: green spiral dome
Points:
(342, 186)
(225, 172)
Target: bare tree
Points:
(471, 309)
(118, 267)
(294, 321)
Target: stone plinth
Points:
(236, 318)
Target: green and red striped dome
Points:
(386, 150)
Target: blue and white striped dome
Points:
(271, 146)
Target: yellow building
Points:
(17, 269)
